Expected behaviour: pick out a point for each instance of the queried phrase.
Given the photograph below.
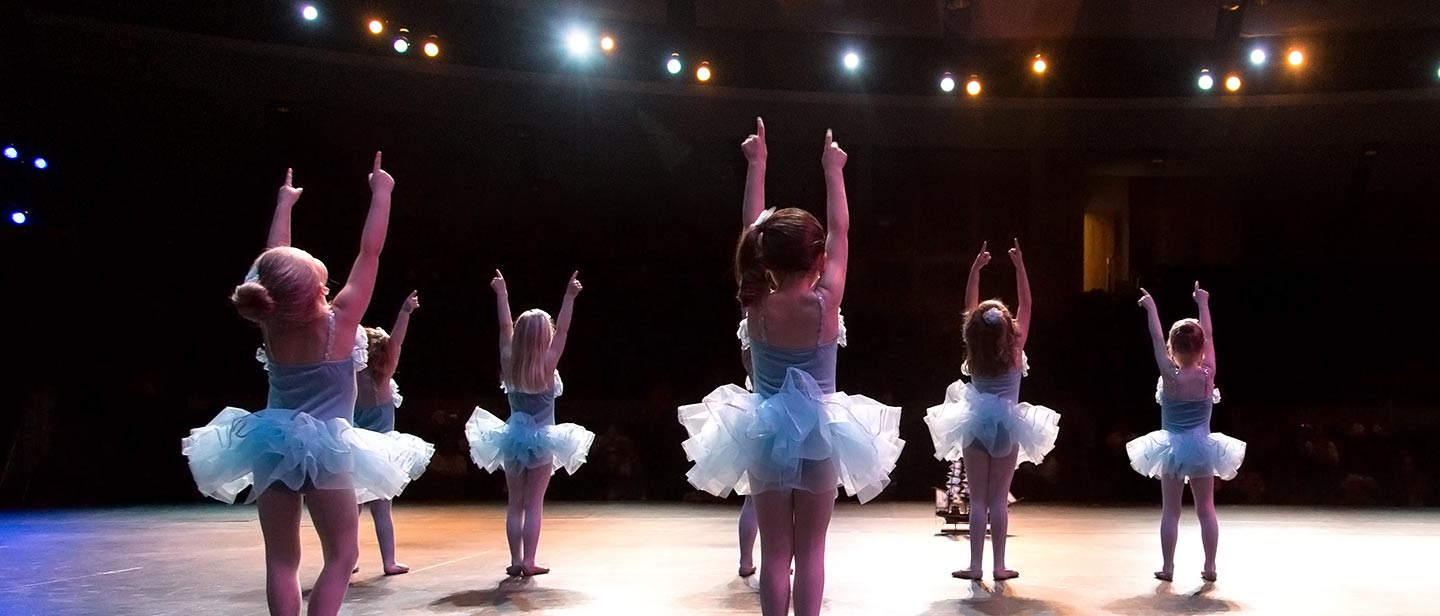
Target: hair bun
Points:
(253, 301)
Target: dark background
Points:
(1306, 204)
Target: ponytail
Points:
(751, 275)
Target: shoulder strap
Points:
(820, 329)
(329, 332)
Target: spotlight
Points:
(577, 41)
(851, 60)
(1232, 83)
(402, 42)
(310, 13)
(41, 163)
(18, 217)
(972, 87)
(11, 153)
(1297, 57)
(376, 26)
(1257, 56)
(1039, 65)
(673, 65)
(947, 83)
(432, 47)
(607, 43)
(1206, 80)
(703, 73)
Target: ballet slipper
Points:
(1164, 576)
(967, 574)
(1006, 574)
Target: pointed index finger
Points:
(759, 127)
(288, 174)
(829, 137)
(574, 276)
(376, 167)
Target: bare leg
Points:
(812, 522)
(380, 511)
(1172, 494)
(997, 502)
(977, 472)
(515, 516)
(280, 525)
(337, 521)
(536, 481)
(749, 529)
(775, 513)
(1203, 489)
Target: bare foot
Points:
(747, 571)
(355, 570)
(397, 569)
(1165, 576)
(1006, 574)
(533, 570)
(967, 574)
(514, 571)
(1208, 576)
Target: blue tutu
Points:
(798, 438)
(1186, 448)
(522, 443)
(238, 449)
(996, 424)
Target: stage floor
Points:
(643, 558)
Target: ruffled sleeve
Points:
(360, 355)
(263, 357)
(395, 394)
(743, 333)
(841, 338)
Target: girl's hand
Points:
(411, 303)
(498, 283)
(982, 259)
(288, 193)
(1015, 256)
(1146, 301)
(833, 158)
(380, 181)
(574, 287)
(754, 145)
(1201, 295)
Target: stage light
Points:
(432, 47)
(673, 65)
(18, 217)
(1232, 83)
(402, 42)
(577, 41)
(310, 13)
(41, 163)
(947, 83)
(972, 87)
(1206, 80)
(851, 60)
(1039, 64)
(1257, 56)
(1296, 57)
(376, 26)
(607, 43)
(11, 153)
(703, 73)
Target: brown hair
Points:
(991, 349)
(283, 285)
(377, 347)
(529, 348)
(1187, 342)
(789, 241)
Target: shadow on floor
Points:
(1165, 600)
(520, 594)
(997, 600)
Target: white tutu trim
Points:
(996, 424)
(1197, 453)
(744, 443)
(520, 443)
(238, 449)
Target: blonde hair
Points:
(529, 349)
(377, 347)
(283, 286)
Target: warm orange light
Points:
(432, 47)
(376, 26)
(972, 87)
(1039, 65)
(1296, 57)
(607, 43)
(703, 73)
(1232, 83)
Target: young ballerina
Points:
(375, 404)
(1185, 451)
(302, 448)
(796, 439)
(530, 447)
(984, 422)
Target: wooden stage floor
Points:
(647, 558)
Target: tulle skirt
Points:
(1195, 453)
(799, 438)
(998, 425)
(520, 443)
(238, 449)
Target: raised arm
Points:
(507, 325)
(350, 303)
(755, 158)
(1202, 300)
(284, 202)
(1022, 287)
(972, 283)
(397, 333)
(562, 324)
(1157, 334)
(837, 214)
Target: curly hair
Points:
(991, 343)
